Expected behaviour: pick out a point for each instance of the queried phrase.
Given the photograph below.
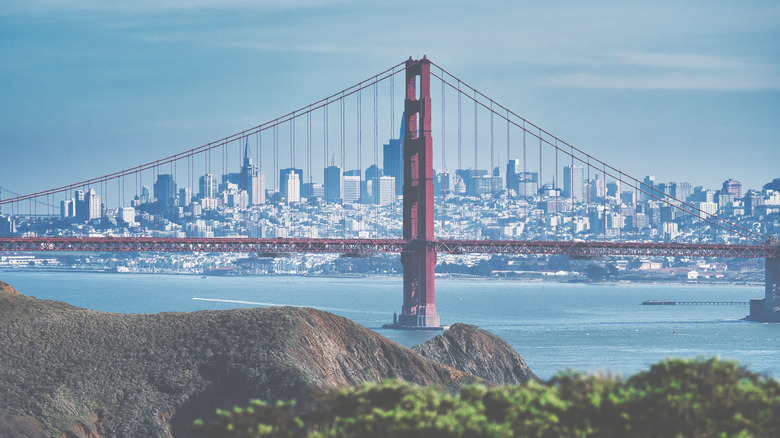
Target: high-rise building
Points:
(185, 196)
(647, 189)
(574, 183)
(290, 184)
(165, 190)
(385, 192)
(312, 190)
(682, 190)
(351, 189)
(333, 184)
(733, 187)
(207, 186)
(393, 159)
(86, 205)
(251, 179)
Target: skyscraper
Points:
(290, 184)
(351, 189)
(165, 190)
(574, 183)
(733, 188)
(393, 159)
(207, 186)
(333, 184)
(251, 179)
(384, 191)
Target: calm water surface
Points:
(554, 326)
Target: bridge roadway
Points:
(371, 246)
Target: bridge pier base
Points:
(767, 309)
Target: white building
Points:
(351, 189)
(385, 193)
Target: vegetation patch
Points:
(675, 398)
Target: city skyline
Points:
(105, 87)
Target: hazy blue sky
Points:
(682, 90)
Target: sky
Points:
(685, 91)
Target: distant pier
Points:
(694, 303)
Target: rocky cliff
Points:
(467, 348)
(5, 287)
(72, 372)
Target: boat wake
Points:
(257, 303)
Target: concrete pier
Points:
(767, 309)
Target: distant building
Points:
(393, 159)
(252, 180)
(682, 190)
(313, 190)
(351, 189)
(334, 182)
(384, 194)
(86, 206)
(207, 185)
(574, 183)
(165, 190)
(290, 184)
(732, 187)
(125, 215)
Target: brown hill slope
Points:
(76, 371)
(483, 354)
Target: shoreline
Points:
(463, 277)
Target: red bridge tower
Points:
(419, 309)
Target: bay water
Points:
(554, 326)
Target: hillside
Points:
(75, 372)
(483, 354)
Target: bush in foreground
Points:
(690, 398)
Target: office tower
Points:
(647, 189)
(165, 190)
(207, 186)
(333, 184)
(87, 205)
(251, 180)
(574, 183)
(528, 184)
(367, 186)
(290, 184)
(393, 159)
(385, 192)
(682, 190)
(312, 191)
(513, 175)
(613, 188)
(733, 188)
(125, 215)
(598, 188)
(351, 188)
(185, 196)
(68, 208)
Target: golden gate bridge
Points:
(702, 235)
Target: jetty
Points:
(693, 303)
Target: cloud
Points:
(670, 71)
(669, 81)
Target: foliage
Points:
(691, 398)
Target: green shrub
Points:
(686, 398)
